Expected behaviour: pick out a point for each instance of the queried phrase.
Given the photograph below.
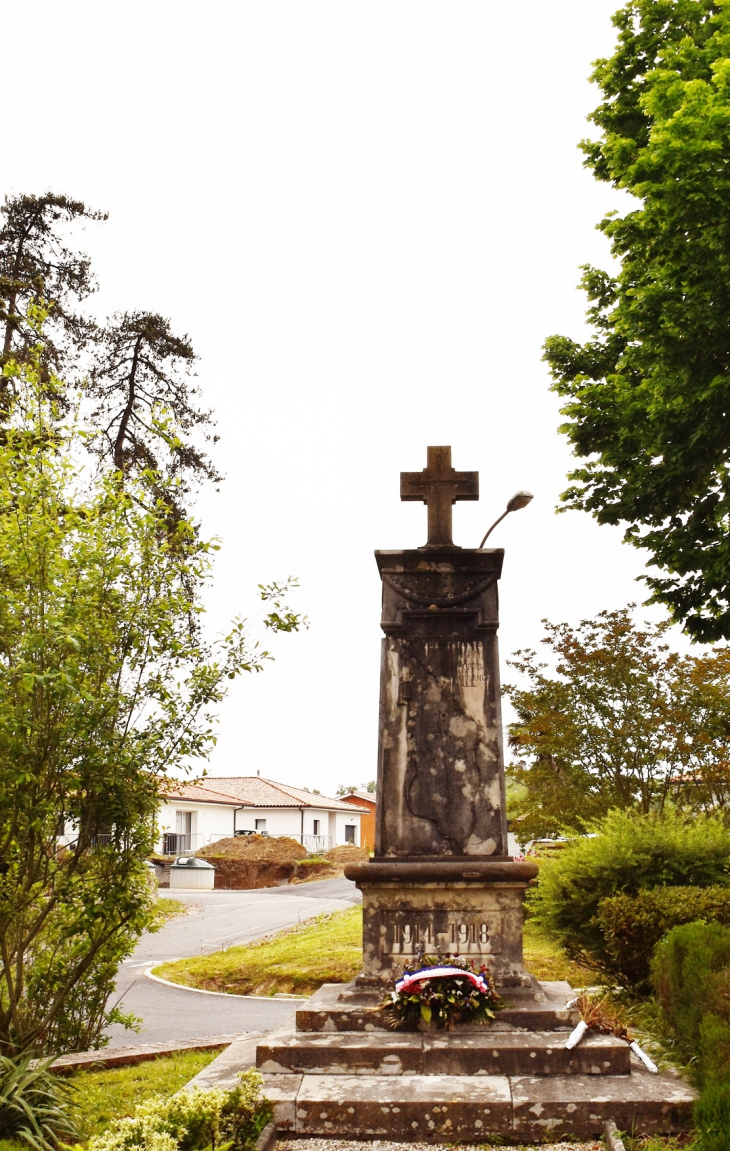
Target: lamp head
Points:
(519, 500)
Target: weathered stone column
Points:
(441, 881)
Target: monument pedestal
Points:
(441, 907)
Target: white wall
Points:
(210, 820)
(343, 819)
(279, 821)
(295, 822)
(216, 821)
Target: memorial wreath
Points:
(449, 992)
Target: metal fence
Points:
(177, 843)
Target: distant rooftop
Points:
(370, 796)
(253, 791)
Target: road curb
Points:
(267, 1139)
(126, 1056)
(227, 994)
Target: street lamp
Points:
(519, 500)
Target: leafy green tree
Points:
(622, 722)
(647, 397)
(105, 688)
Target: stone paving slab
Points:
(517, 1053)
(223, 1071)
(314, 1144)
(579, 1105)
(448, 1108)
(282, 1091)
(436, 1107)
(411, 1053)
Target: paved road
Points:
(217, 919)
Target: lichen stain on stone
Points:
(461, 727)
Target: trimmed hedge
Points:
(632, 925)
(691, 974)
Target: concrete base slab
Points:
(223, 1071)
(404, 1053)
(448, 1108)
(419, 1109)
(577, 1105)
(281, 1092)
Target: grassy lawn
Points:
(101, 1096)
(545, 959)
(105, 1095)
(298, 961)
(328, 951)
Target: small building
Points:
(194, 815)
(364, 799)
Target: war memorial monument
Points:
(442, 883)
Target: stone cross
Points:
(439, 486)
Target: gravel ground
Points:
(384, 1145)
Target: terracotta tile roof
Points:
(253, 791)
(368, 796)
(173, 789)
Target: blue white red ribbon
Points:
(411, 978)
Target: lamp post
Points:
(519, 500)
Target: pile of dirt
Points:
(347, 853)
(255, 848)
(233, 873)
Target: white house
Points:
(193, 815)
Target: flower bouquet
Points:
(447, 991)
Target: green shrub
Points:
(632, 925)
(691, 975)
(712, 1118)
(632, 852)
(192, 1120)
(35, 1105)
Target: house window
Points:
(315, 827)
(261, 825)
(184, 822)
(349, 833)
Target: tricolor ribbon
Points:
(410, 979)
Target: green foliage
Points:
(712, 1118)
(691, 975)
(137, 395)
(192, 1120)
(632, 925)
(36, 264)
(646, 397)
(106, 685)
(102, 1094)
(624, 722)
(35, 1105)
(631, 853)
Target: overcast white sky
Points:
(367, 216)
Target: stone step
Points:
(345, 1007)
(410, 1053)
(453, 1108)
